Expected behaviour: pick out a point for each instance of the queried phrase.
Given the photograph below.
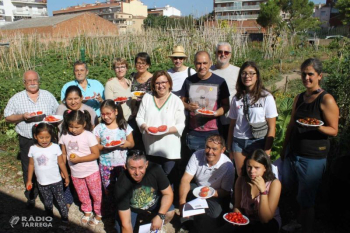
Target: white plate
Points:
(197, 190)
(300, 123)
(240, 224)
(205, 113)
(59, 117)
(109, 147)
(160, 133)
(133, 93)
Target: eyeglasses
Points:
(308, 74)
(250, 74)
(160, 83)
(141, 63)
(120, 67)
(224, 52)
(32, 81)
(107, 114)
(135, 152)
(178, 58)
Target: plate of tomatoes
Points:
(236, 218)
(53, 119)
(86, 98)
(310, 122)
(114, 143)
(203, 192)
(120, 99)
(205, 112)
(36, 116)
(138, 93)
(160, 130)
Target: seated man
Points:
(142, 189)
(209, 167)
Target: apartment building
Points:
(13, 10)
(237, 10)
(168, 11)
(128, 15)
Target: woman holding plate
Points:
(119, 86)
(165, 109)
(305, 162)
(73, 100)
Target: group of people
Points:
(216, 122)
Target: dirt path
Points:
(13, 206)
(291, 76)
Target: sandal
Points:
(94, 222)
(85, 219)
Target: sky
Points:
(194, 7)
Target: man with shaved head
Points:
(18, 111)
(204, 91)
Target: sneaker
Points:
(292, 226)
(64, 219)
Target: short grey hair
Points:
(200, 52)
(24, 75)
(223, 44)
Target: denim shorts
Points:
(247, 146)
(305, 174)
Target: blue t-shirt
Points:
(94, 87)
(207, 94)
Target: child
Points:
(112, 161)
(44, 156)
(79, 146)
(257, 193)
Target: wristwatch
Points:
(162, 216)
(263, 193)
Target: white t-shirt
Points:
(179, 78)
(264, 108)
(219, 176)
(230, 74)
(45, 163)
(112, 158)
(80, 145)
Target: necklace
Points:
(313, 93)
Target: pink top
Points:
(250, 206)
(80, 145)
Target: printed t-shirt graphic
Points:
(143, 198)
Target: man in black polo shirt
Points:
(142, 189)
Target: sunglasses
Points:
(135, 152)
(224, 52)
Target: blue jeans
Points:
(306, 174)
(247, 146)
(153, 212)
(196, 140)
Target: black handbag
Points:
(259, 129)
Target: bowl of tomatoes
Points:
(236, 218)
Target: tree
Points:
(299, 15)
(269, 14)
(344, 9)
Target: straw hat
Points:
(178, 51)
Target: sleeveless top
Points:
(308, 141)
(250, 205)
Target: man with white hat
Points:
(179, 72)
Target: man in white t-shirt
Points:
(229, 72)
(209, 167)
(179, 72)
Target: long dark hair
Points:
(122, 124)
(261, 157)
(258, 87)
(78, 116)
(38, 128)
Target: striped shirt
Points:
(219, 176)
(21, 103)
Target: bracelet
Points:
(263, 193)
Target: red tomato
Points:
(203, 194)
(205, 189)
(108, 144)
(29, 187)
(115, 143)
(39, 112)
(162, 128)
(153, 129)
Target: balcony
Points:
(29, 13)
(43, 2)
(237, 8)
(236, 17)
(227, 1)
